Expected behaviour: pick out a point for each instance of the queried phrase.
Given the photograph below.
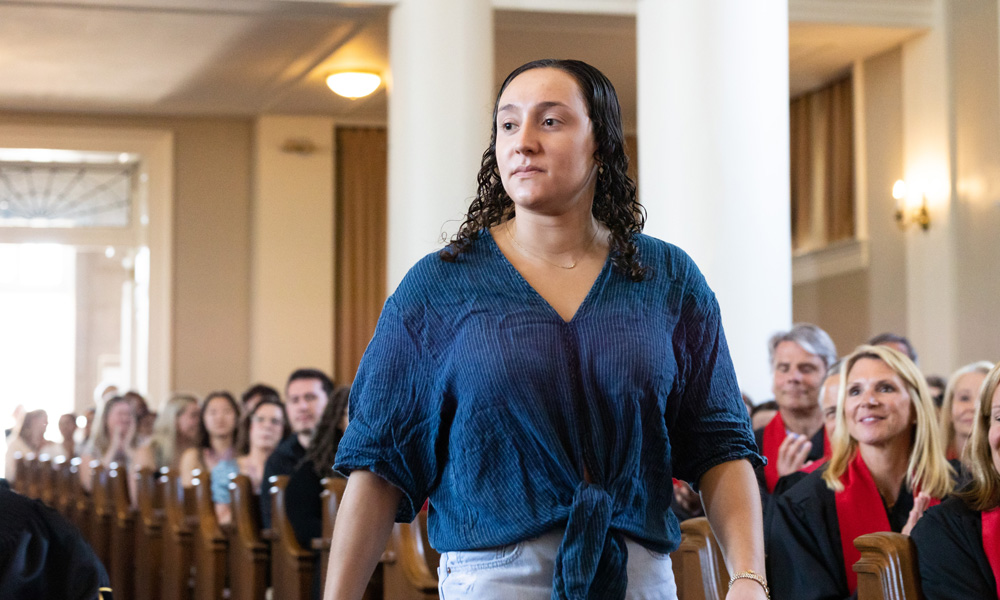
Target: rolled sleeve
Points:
(394, 413)
(709, 424)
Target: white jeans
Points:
(524, 571)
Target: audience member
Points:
(30, 439)
(886, 468)
(144, 425)
(42, 555)
(88, 415)
(175, 431)
(305, 484)
(795, 436)
(113, 441)
(897, 342)
(958, 412)
(828, 394)
(255, 394)
(958, 542)
(67, 429)
(17, 417)
(306, 395)
(936, 385)
(216, 436)
(259, 433)
(762, 414)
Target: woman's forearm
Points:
(364, 522)
(732, 505)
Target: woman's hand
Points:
(746, 589)
(792, 454)
(920, 504)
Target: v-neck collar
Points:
(517, 276)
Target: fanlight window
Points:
(60, 194)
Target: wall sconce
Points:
(905, 215)
(353, 84)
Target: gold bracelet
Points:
(750, 574)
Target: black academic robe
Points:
(805, 559)
(42, 555)
(815, 453)
(953, 565)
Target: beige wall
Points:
(211, 298)
(838, 304)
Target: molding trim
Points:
(884, 13)
(835, 259)
(597, 7)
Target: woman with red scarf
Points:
(958, 542)
(887, 466)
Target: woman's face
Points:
(220, 418)
(266, 426)
(187, 421)
(963, 405)
(877, 407)
(545, 142)
(119, 419)
(994, 435)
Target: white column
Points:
(713, 158)
(440, 108)
(931, 284)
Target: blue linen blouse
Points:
(222, 474)
(476, 393)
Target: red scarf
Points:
(774, 435)
(859, 511)
(991, 542)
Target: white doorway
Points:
(91, 286)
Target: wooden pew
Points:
(292, 565)
(150, 520)
(410, 570)
(103, 515)
(887, 569)
(83, 507)
(249, 554)
(333, 493)
(123, 536)
(62, 481)
(19, 484)
(210, 545)
(27, 473)
(178, 534)
(699, 567)
(44, 480)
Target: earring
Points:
(600, 170)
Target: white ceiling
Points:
(246, 57)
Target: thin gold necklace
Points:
(542, 258)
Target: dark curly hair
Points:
(615, 203)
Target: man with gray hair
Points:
(795, 437)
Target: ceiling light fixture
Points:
(353, 84)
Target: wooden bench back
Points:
(178, 533)
(292, 565)
(103, 514)
(887, 569)
(210, 545)
(411, 573)
(150, 519)
(123, 536)
(249, 554)
(699, 568)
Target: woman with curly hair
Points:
(543, 377)
(958, 542)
